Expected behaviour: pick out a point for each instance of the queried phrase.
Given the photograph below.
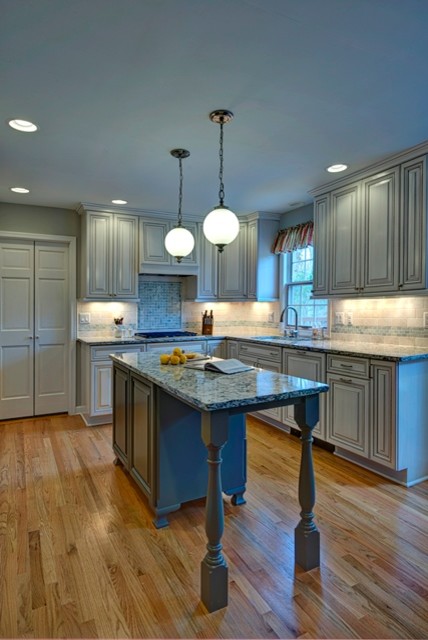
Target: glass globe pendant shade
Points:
(179, 242)
(221, 227)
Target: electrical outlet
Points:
(425, 319)
(271, 317)
(84, 318)
(348, 316)
(339, 317)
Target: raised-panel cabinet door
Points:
(413, 226)
(51, 329)
(99, 255)
(344, 229)
(232, 268)
(379, 236)
(101, 388)
(207, 280)
(153, 242)
(16, 329)
(120, 415)
(125, 245)
(252, 260)
(384, 426)
(192, 258)
(321, 244)
(275, 412)
(303, 364)
(348, 413)
(141, 399)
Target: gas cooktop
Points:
(165, 334)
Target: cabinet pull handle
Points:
(30, 337)
(345, 380)
(346, 366)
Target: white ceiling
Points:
(116, 84)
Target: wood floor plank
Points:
(80, 557)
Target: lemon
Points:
(174, 359)
(164, 358)
(177, 351)
(183, 359)
(190, 356)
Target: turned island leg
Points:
(214, 573)
(306, 534)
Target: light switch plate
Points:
(339, 317)
(425, 319)
(84, 318)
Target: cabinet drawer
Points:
(256, 352)
(344, 364)
(103, 352)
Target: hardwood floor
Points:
(79, 556)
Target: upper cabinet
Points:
(262, 264)
(370, 234)
(109, 256)
(245, 270)
(154, 258)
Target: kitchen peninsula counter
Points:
(378, 350)
(163, 415)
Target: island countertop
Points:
(210, 391)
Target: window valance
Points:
(298, 237)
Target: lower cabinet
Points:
(96, 380)
(141, 432)
(348, 410)
(158, 440)
(216, 348)
(120, 422)
(266, 357)
(232, 349)
(311, 366)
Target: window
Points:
(299, 269)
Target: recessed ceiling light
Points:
(20, 190)
(119, 201)
(335, 168)
(23, 125)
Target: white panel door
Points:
(51, 330)
(16, 329)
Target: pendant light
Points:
(179, 242)
(221, 226)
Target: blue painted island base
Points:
(181, 473)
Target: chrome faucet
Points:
(293, 333)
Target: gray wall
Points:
(297, 216)
(31, 219)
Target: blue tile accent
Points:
(159, 306)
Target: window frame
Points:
(287, 284)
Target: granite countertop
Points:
(380, 351)
(209, 391)
(100, 340)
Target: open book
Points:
(232, 365)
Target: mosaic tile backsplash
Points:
(159, 306)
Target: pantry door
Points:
(16, 329)
(34, 328)
(51, 328)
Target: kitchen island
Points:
(158, 413)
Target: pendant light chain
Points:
(180, 192)
(220, 175)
